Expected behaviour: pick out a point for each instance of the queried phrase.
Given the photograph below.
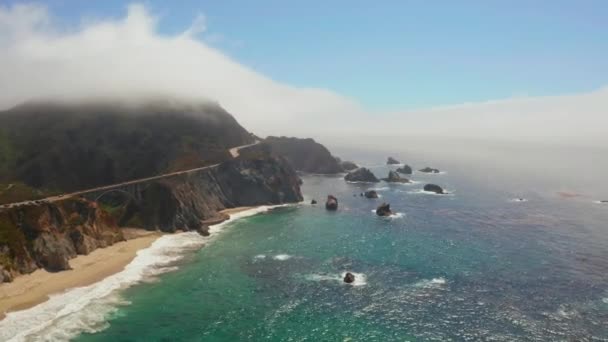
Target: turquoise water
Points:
(464, 267)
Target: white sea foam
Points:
(360, 278)
(85, 309)
(392, 217)
(518, 200)
(431, 283)
(605, 300)
(282, 257)
(422, 192)
(600, 202)
(259, 257)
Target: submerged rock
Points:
(384, 210)
(313, 202)
(349, 278)
(405, 169)
(331, 203)
(434, 188)
(429, 170)
(392, 161)
(371, 194)
(393, 177)
(361, 175)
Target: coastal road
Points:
(234, 152)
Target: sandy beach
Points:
(31, 289)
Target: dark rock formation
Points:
(348, 166)
(384, 210)
(392, 161)
(405, 169)
(305, 155)
(182, 202)
(75, 146)
(393, 177)
(313, 202)
(429, 170)
(203, 230)
(361, 175)
(434, 188)
(371, 194)
(604, 201)
(349, 278)
(331, 203)
(47, 236)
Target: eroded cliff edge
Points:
(48, 235)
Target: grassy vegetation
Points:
(19, 192)
(12, 237)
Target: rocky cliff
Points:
(190, 201)
(48, 235)
(305, 155)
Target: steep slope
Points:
(305, 155)
(71, 146)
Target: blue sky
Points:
(394, 55)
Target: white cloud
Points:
(130, 58)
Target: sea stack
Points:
(331, 203)
(429, 170)
(349, 278)
(384, 210)
(405, 169)
(348, 165)
(313, 201)
(434, 188)
(392, 161)
(361, 175)
(371, 194)
(393, 177)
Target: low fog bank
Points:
(547, 168)
(129, 59)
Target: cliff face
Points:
(305, 154)
(48, 235)
(193, 200)
(74, 146)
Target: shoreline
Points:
(29, 290)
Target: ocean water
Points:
(474, 265)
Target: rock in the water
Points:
(384, 210)
(434, 188)
(348, 165)
(361, 175)
(313, 202)
(429, 170)
(203, 230)
(405, 169)
(349, 278)
(331, 203)
(604, 201)
(392, 161)
(371, 194)
(393, 177)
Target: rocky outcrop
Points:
(361, 175)
(305, 155)
(434, 188)
(184, 201)
(49, 235)
(349, 278)
(348, 165)
(384, 209)
(405, 169)
(429, 170)
(394, 177)
(331, 203)
(371, 194)
(392, 161)
(313, 202)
